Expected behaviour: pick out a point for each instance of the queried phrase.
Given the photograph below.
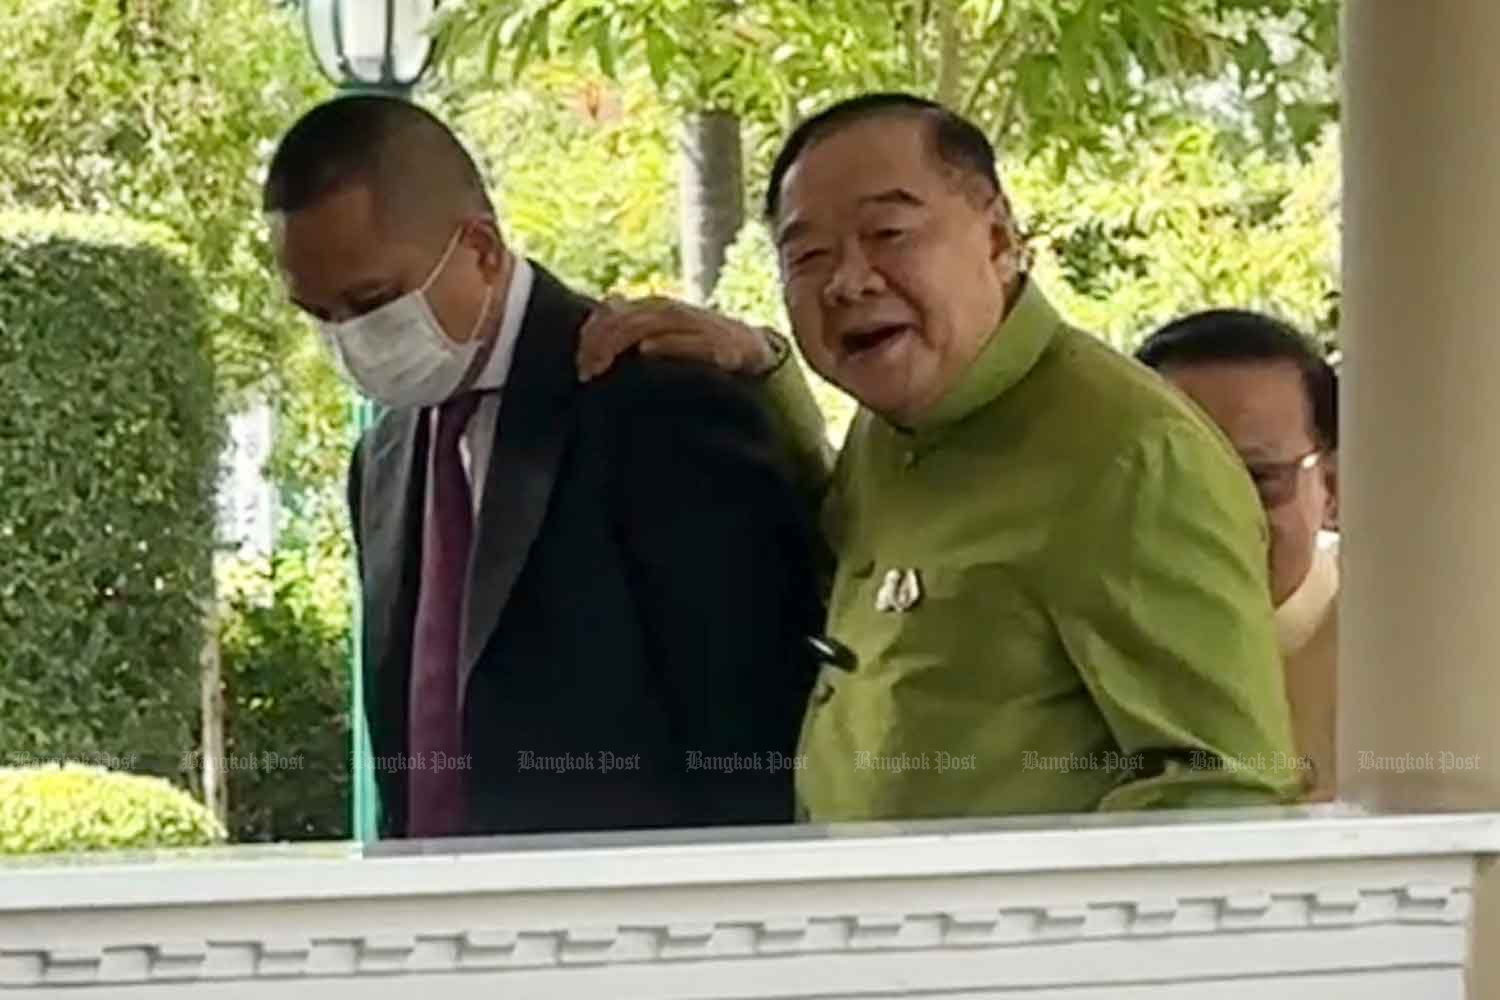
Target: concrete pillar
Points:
(1420, 465)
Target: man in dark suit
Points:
(585, 607)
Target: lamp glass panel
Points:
(413, 37)
(363, 25)
(321, 36)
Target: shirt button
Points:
(909, 459)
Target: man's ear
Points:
(1330, 472)
(482, 235)
(275, 226)
(1007, 250)
(1002, 229)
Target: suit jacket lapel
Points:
(533, 428)
(391, 499)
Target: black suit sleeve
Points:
(353, 488)
(721, 555)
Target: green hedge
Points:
(76, 808)
(285, 655)
(109, 443)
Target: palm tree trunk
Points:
(711, 191)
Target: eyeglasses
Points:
(1277, 482)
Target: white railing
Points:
(1292, 904)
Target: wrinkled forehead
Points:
(859, 160)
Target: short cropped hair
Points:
(1218, 336)
(411, 161)
(956, 142)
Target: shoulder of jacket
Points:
(1127, 403)
(662, 387)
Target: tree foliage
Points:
(1176, 223)
(581, 170)
(1062, 75)
(162, 110)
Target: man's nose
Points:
(852, 278)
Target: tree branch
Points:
(950, 52)
(914, 41)
(992, 65)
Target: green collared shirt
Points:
(1055, 590)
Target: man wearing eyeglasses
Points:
(1275, 397)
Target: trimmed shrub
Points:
(77, 808)
(285, 654)
(109, 444)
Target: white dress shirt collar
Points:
(497, 369)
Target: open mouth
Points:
(866, 341)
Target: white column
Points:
(1419, 652)
(1420, 616)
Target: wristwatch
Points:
(780, 350)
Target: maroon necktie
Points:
(435, 785)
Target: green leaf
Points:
(1254, 56)
(511, 27)
(1306, 121)
(491, 52)
(533, 42)
(659, 53)
(604, 47)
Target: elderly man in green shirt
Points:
(1050, 568)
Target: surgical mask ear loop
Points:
(442, 261)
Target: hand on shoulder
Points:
(662, 327)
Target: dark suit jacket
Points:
(641, 589)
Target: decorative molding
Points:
(503, 948)
(1299, 905)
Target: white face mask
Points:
(398, 354)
